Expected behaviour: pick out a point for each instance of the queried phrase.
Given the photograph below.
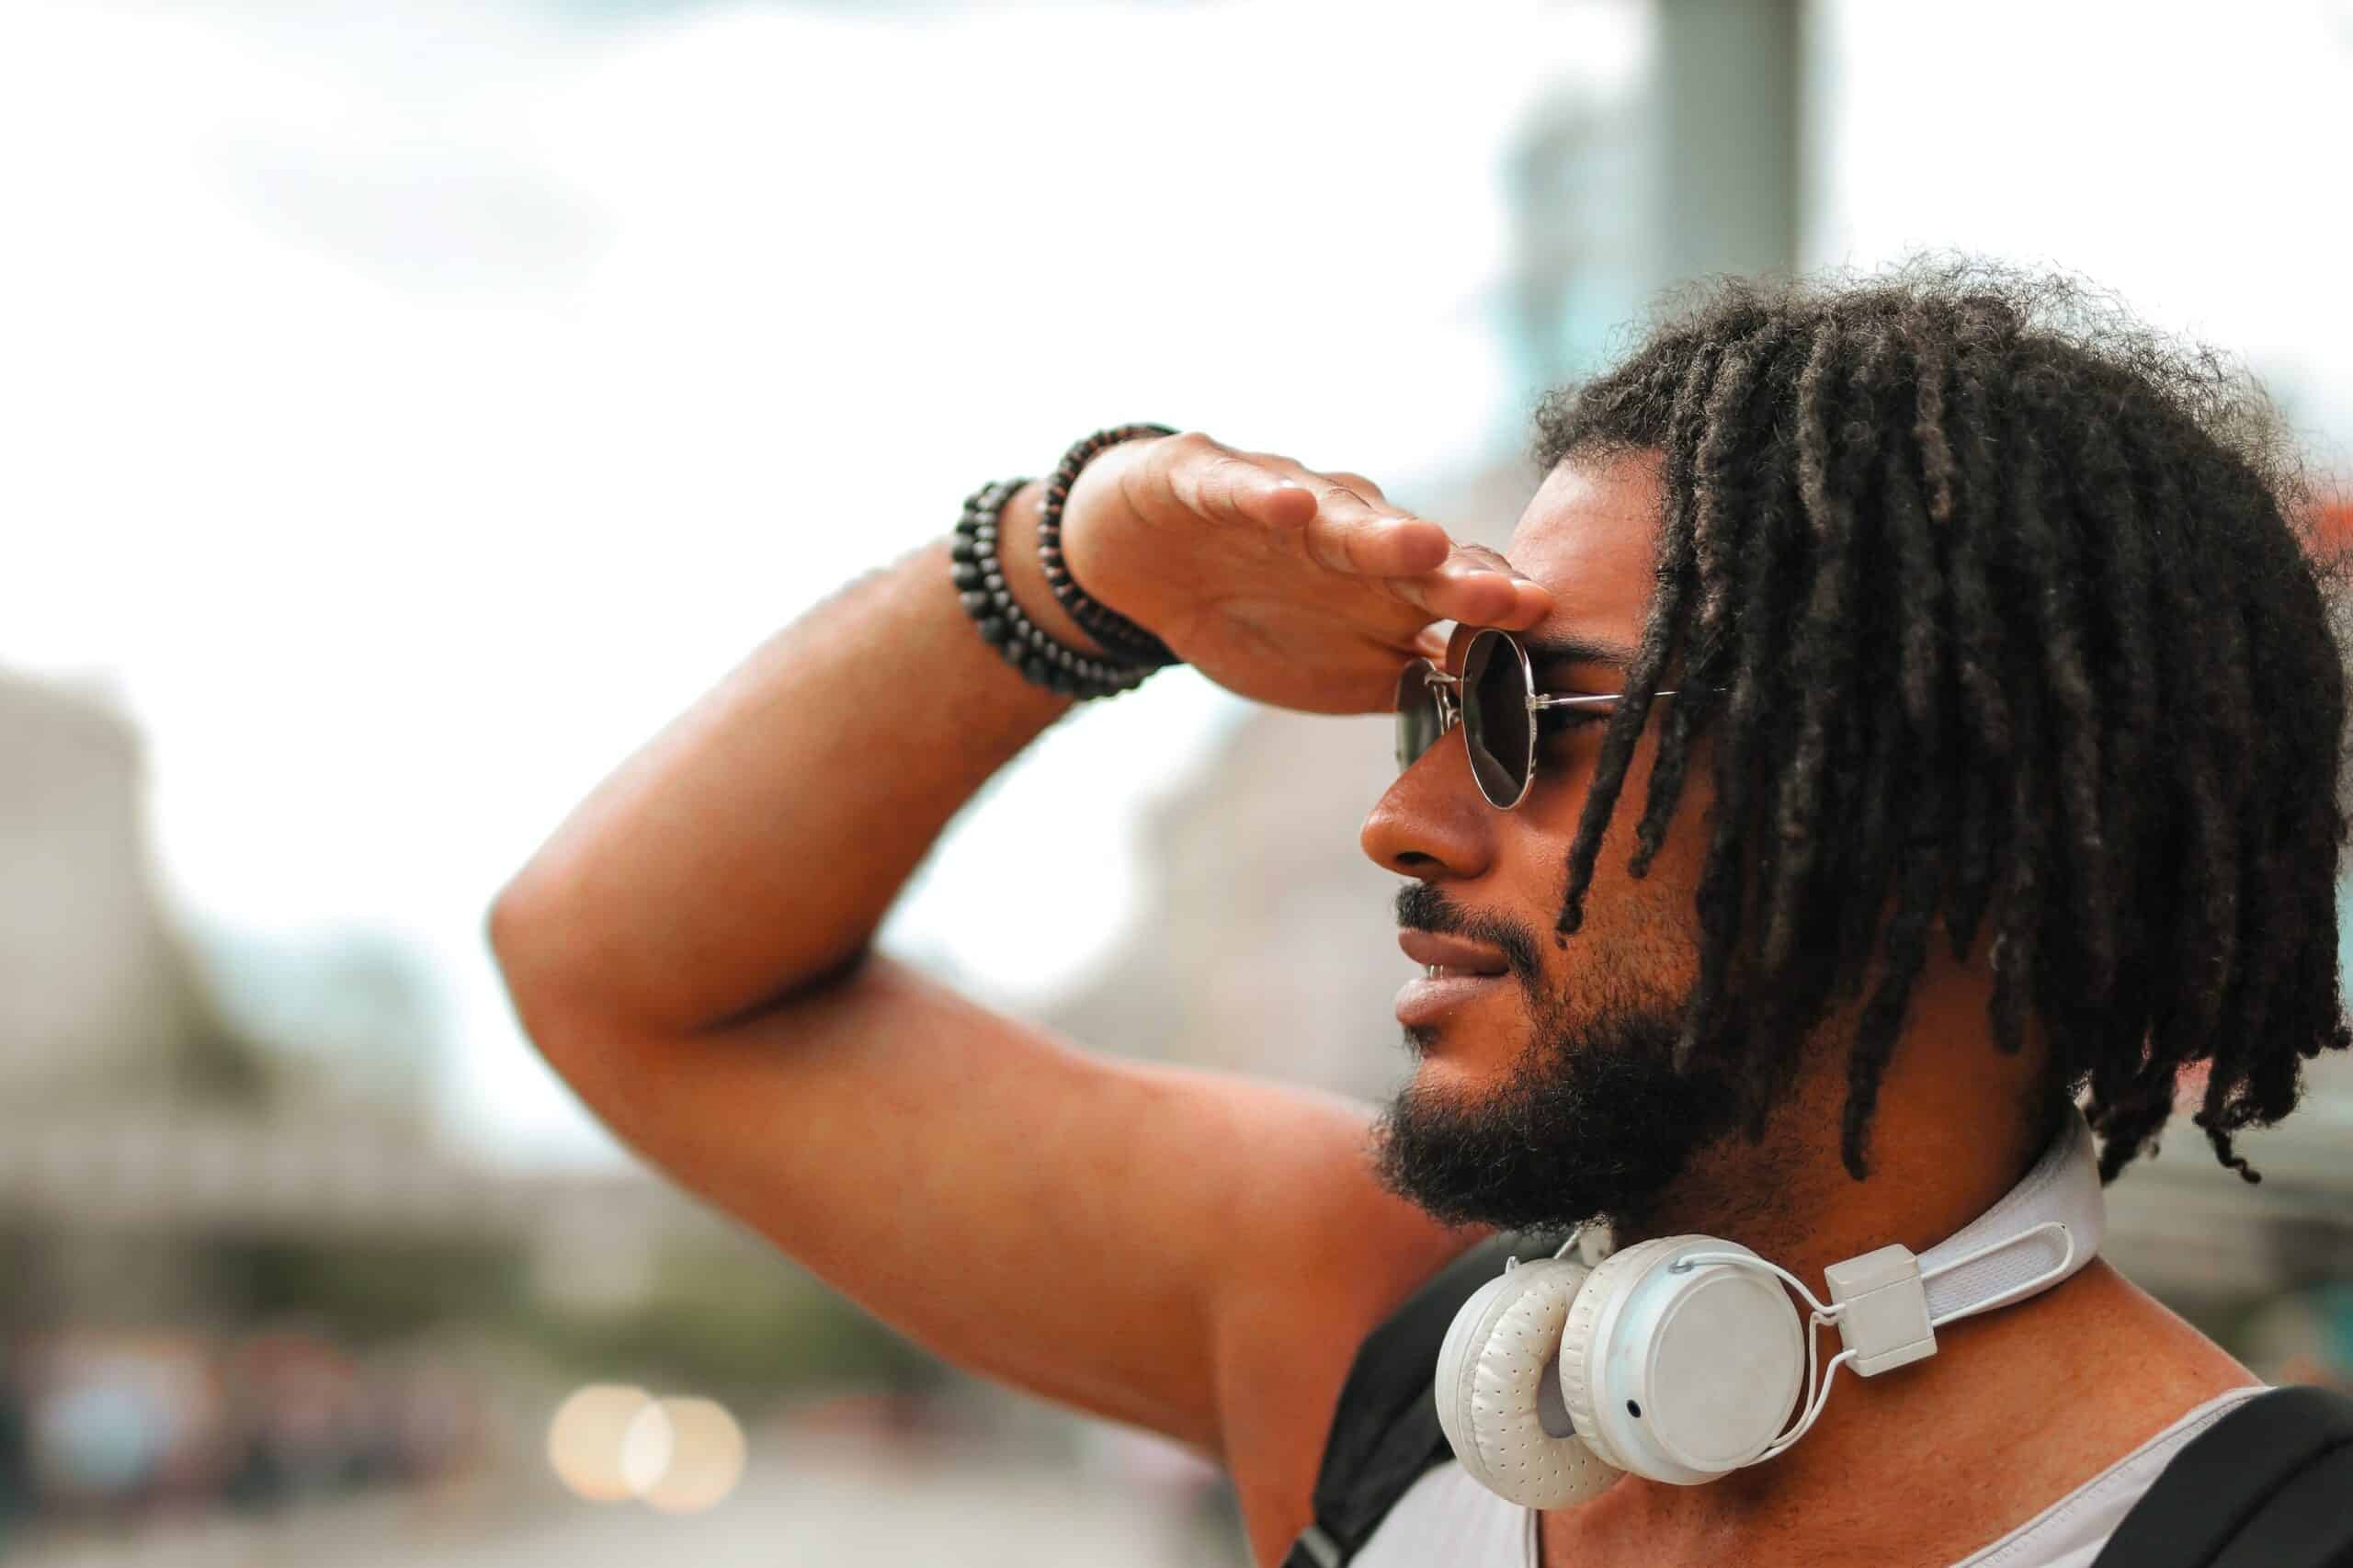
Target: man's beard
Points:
(1593, 1122)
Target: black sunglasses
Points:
(1498, 715)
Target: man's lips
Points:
(1454, 970)
(1427, 947)
(1422, 1000)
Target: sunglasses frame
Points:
(1446, 688)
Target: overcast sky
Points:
(411, 408)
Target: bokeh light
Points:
(585, 1440)
(609, 1442)
(684, 1455)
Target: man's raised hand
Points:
(1303, 589)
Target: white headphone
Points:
(1681, 1358)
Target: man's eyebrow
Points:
(1574, 650)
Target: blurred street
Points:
(790, 1509)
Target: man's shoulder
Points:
(1289, 1333)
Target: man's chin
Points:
(1591, 1123)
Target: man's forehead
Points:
(1588, 536)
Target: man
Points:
(1999, 767)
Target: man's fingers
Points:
(1532, 599)
(1365, 489)
(1372, 539)
(1345, 523)
(1467, 590)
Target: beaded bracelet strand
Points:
(1042, 659)
(1121, 637)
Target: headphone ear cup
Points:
(1577, 1340)
(1490, 1375)
(1684, 1376)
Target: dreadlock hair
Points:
(1998, 608)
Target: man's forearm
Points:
(758, 840)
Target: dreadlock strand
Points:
(1919, 871)
(2018, 927)
(2045, 542)
(1979, 645)
(1712, 552)
(1661, 634)
(1743, 764)
(1796, 797)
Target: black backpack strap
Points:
(2308, 1523)
(1384, 1434)
(2269, 1484)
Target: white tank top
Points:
(1448, 1517)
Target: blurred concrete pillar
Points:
(1729, 103)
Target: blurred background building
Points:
(390, 362)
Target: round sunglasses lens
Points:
(1495, 720)
(1417, 713)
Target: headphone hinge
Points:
(1882, 1309)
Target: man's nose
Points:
(1432, 818)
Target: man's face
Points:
(1544, 1097)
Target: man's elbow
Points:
(526, 946)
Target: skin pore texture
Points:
(1546, 1100)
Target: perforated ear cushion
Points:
(1577, 1338)
(1490, 1375)
(1473, 1321)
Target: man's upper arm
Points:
(1337, 1255)
(1193, 1252)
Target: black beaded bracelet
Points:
(980, 584)
(1119, 636)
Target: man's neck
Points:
(1790, 1199)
